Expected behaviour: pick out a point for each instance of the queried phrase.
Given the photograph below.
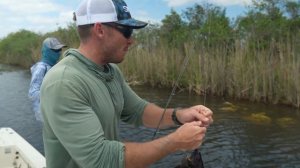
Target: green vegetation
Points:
(255, 56)
(18, 48)
(23, 48)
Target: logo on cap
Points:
(125, 9)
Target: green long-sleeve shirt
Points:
(82, 105)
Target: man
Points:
(85, 97)
(51, 51)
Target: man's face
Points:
(117, 43)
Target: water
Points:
(15, 107)
(244, 135)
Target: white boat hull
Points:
(16, 152)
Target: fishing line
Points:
(186, 60)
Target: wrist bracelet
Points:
(174, 117)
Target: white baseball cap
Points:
(103, 11)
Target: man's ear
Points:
(98, 29)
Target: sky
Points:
(42, 16)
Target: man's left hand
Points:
(195, 113)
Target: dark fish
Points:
(192, 161)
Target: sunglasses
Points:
(125, 31)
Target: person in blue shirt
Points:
(51, 51)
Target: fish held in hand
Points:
(192, 161)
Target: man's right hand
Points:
(189, 136)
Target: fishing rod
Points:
(195, 159)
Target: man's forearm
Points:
(153, 114)
(140, 155)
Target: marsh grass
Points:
(270, 75)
